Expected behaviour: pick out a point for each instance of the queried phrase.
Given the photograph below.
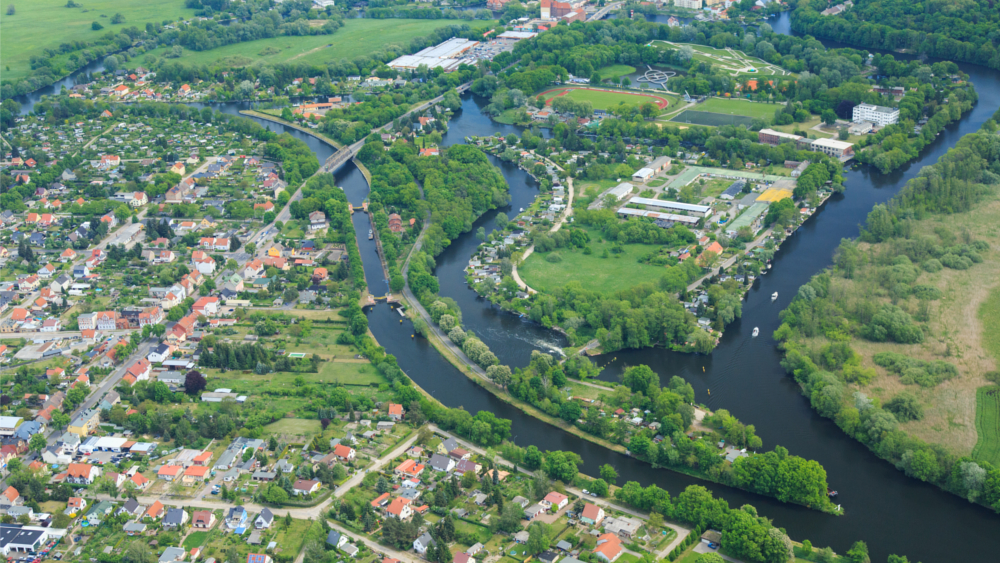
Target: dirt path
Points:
(556, 227)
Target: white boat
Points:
(774, 296)
(756, 331)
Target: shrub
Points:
(933, 265)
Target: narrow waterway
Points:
(894, 514)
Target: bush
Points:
(933, 265)
(913, 371)
(905, 406)
(554, 258)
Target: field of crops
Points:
(988, 425)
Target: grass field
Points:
(614, 71)
(195, 539)
(44, 24)
(357, 37)
(606, 99)
(988, 425)
(739, 107)
(297, 426)
(710, 119)
(592, 271)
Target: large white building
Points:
(689, 4)
(447, 55)
(879, 115)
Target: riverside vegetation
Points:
(883, 339)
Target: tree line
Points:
(875, 292)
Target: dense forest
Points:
(965, 30)
(875, 292)
(458, 186)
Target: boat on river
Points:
(774, 296)
(756, 331)
(831, 493)
(371, 235)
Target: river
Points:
(892, 513)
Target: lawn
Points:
(988, 425)
(735, 62)
(614, 71)
(357, 37)
(195, 539)
(593, 272)
(606, 99)
(296, 426)
(738, 107)
(343, 372)
(45, 24)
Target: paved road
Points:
(681, 531)
(305, 513)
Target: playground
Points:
(607, 99)
(735, 62)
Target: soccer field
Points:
(710, 119)
(606, 99)
(45, 24)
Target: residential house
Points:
(592, 514)
(84, 423)
(174, 518)
(170, 472)
(608, 549)
(264, 519)
(343, 452)
(132, 508)
(82, 473)
(421, 544)
(305, 487)
(400, 508)
(442, 463)
(155, 510)
(336, 539)
(203, 519)
(317, 221)
(395, 412)
(555, 501)
(236, 517)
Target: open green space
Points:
(614, 71)
(45, 24)
(988, 425)
(605, 99)
(357, 37)
(297, 426)
(736, 106)
(735, 62)
(195, 539)
(614, 273)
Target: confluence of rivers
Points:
(889, 511)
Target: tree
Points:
(382, 486)
(502, 220)
(95, 26)
(117, 19)
(194, 382)
(599, 487)
(609, 474)
(829, 116)
(859, 553)
(37, 442)
(537, 540)
(532, 458)
(11, 10)
(138, 552)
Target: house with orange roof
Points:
(67, 255)
(82, 473)
(195, 474)
(345, 453)
(170, 472)
(12, 496)
(266, 206)
(608, 549)
(155, 510)
(395, 411)
(203, 458)
(399, 508)
(409, 468)
(139, 481)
